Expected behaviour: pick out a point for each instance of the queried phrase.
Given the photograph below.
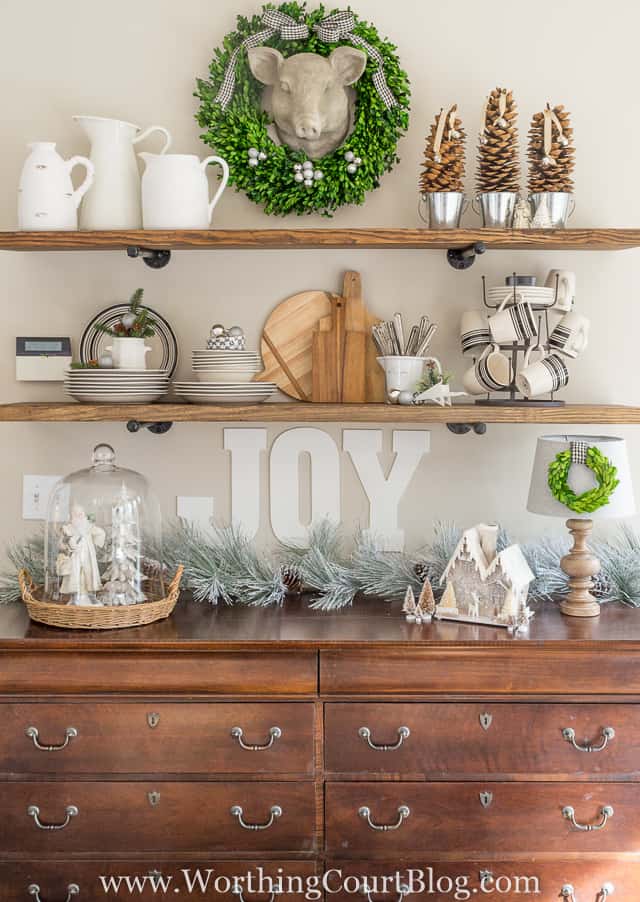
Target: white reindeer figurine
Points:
(311, 102)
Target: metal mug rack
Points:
(518, 348)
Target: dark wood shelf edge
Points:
(300, 412)
(594, 239)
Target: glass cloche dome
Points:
(103, 536)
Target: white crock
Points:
(175, 191)
(114, 202)
(129, 353)
(46, 197)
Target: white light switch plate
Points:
(198, 511)
(36, 491)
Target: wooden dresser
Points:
(294, 741)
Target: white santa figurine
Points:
(78, 563)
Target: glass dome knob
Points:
(104, 457)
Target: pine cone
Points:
(444, 171)
(291, 579)
(498, 163)
(422, 571)
(551, 171)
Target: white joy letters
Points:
(304, 479)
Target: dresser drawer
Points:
(473, 817)
(524, 879)
(176, 738)
(157, 816)
(136, 879)
(456, 741)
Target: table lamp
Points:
(587, 476)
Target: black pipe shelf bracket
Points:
(464, 257)
(159, 428)
(154, 258)
(464, 428)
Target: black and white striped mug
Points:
(474, 333)
(512, 323)
(543, 377)
(571, 335)
(491, 372)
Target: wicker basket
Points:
(107, 617)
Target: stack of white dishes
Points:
(225, 377)
(93, 385)
(535, 295)
(225, 366)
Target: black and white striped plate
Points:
(164, 346)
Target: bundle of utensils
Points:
(389, 337)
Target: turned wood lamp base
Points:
(580, 565)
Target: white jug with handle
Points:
(46, 197)
(175, 191)
(114, 202)
(129, 353)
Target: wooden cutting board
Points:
(287, 345)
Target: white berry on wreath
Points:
(349, 156)
(253, 153)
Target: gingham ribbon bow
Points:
(579, 452)
(339, 27)
(334, 28)
(275, 22)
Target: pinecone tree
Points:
(551, 151)
(443, 167)
(498, 163)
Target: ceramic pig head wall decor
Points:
(311, 102)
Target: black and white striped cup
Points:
(571, 336)
(543, 377)
(514, 323)
(474, 333)
(491, 372)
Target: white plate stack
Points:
(94, 385)
(225, 377)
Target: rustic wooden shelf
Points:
(300, 412)
(279, 239)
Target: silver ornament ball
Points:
(253, 153)
(262, 156)
(105, 362)
(299, 177)
(235, 332)
(297, 167)
(307, 165)
(253, 161)
(128, 320)
(308, 183)
(318, 174)
(217, 330)
(349, 156)
(357, 161)
(351, 168)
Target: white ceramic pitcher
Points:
(129, 353)
(175, 191)
(46, 197)
(114, 202)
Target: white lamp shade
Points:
(580, 479)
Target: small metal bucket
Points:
(559, 203)
(444, 209)
(497, 208)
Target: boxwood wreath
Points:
(265, 170)
(601, 467)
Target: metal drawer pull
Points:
(70, 733)
(403, 733)
(237, 891)
(403, 891)
(403, 813)
(34, 890)
(608, 733)
(276, 812)
(568, 892)
(274, 733)
(606, 812)
(34, 812)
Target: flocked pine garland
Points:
(242, 126)
(224, 566)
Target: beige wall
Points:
(138, 61)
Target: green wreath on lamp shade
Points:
(599, 496)
(231, 132)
